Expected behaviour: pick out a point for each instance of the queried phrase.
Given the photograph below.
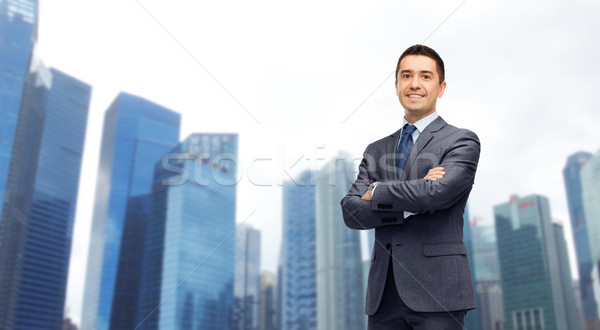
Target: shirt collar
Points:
(422, 123)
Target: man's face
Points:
(418, 86)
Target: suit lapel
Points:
(390, 155)
(424, 138)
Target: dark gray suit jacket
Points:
(430, 265)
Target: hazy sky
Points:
(303, 80)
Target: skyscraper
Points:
(246, 286)
(268, 301)
(530, 265)
(137, 134)
(340, 299)
(571, 307)
(298, 254)
(473, 318)
(487, 279)
(195, 282)
(40, 199)
(573, 186)
(18, 32)
(590, 197)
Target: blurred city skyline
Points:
(294, 90)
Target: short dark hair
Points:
(425, 51)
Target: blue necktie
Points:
(406, 143)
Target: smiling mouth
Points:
(414, 96)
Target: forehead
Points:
(418, 63)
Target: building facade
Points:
(530, 265)
(136, 135)
(573, 186)
(340, 299)
(39, 206)
(247, 283)
(590, 196)
(298, 289)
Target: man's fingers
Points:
(435, 173)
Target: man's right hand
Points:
(435, 173)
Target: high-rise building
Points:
(530, 265)
(188, 283)
(590, 197)
(268, 301)
(473, 318)
(18, 33)
(40, 200)
(487, 279)
(136, 135)
(298, 255)
(340, 299)
(573, 186)
(573, 314)
(246, 286)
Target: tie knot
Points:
(408, 129)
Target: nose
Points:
(414, 84)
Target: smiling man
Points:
(413, 187)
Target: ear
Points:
(397, 91)
(442, 89)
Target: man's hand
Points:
(433, 174)
(367, 196)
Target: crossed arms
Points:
(427, 195)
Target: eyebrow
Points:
(422, 71)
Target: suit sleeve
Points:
(357, 213)
(422, 196)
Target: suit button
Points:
(388, 246)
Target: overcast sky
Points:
(307, 79)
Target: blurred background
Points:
(179, 164)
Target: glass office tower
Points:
(187, 278)
(298, 279)
(246, 287)
(473, 318)
(136, 135)
(590, 196)
(39, 206)
(573, 186)
(530, 265)
(18, 32)
(340, 299)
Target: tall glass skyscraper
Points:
(590, 197)
(487, 279)
(298, 279)
(187, 282)
(473, 318)
(530, 265)
(573, 313)
(18, 33)
(246, 287)
(40, 199)
(340, 299)
(573, 186)
(137, 134)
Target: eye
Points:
(406, 76)
(426, 77)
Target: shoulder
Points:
(453, 132)
(382, 143)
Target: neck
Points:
(413, 118)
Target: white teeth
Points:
(415, 95)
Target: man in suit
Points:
(412, 187)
